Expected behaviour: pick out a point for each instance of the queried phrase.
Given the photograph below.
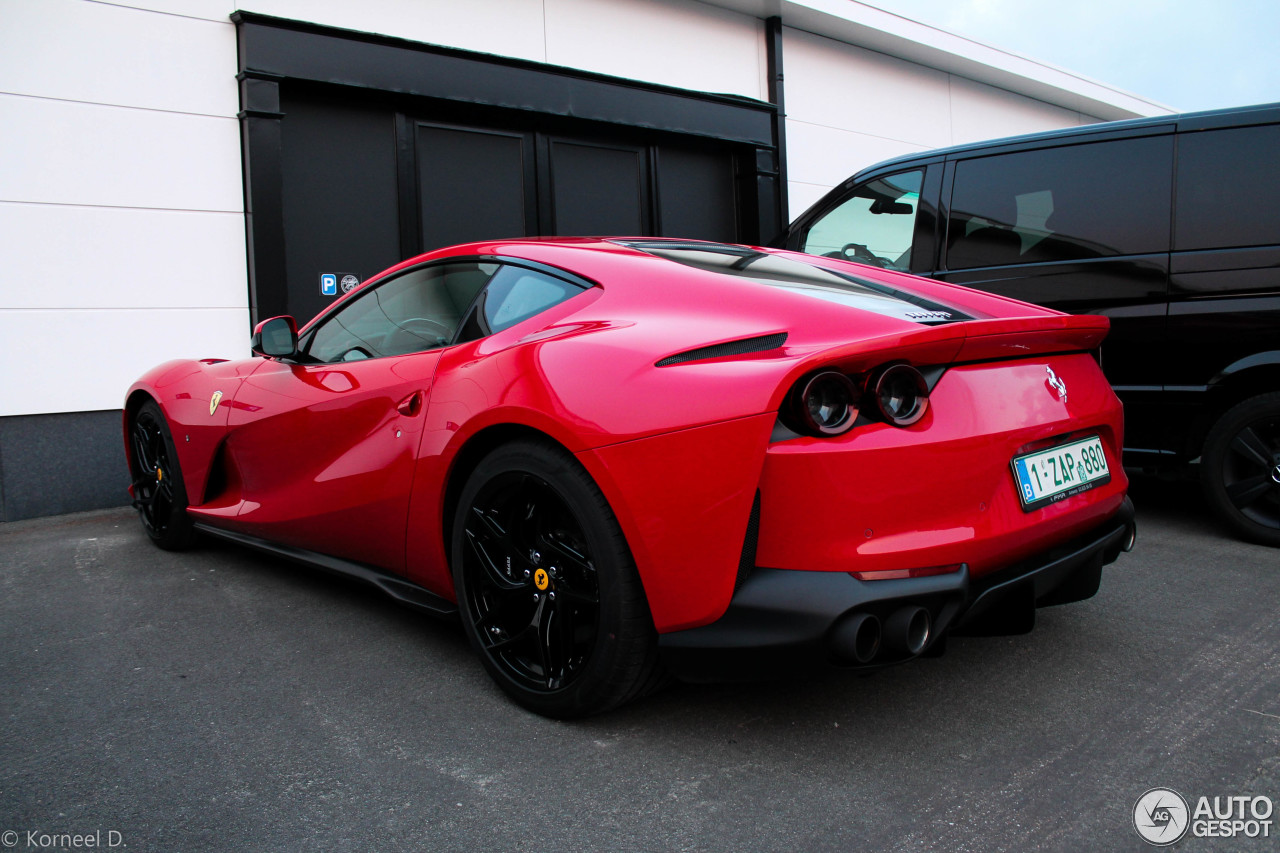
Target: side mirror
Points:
(275, 338)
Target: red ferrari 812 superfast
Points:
(622, 460)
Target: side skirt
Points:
(406, 592)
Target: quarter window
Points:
(873, 226)
(1061, 204)
(515, 293)
(1228, 185)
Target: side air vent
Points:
(747, 562)
(740, 347)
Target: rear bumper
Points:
(784, 622)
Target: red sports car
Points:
(618, 460)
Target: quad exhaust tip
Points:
(862, 638)
(907, 631)
(857, 638)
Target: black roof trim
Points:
(1232, 117)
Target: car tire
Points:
(547, 589)
(1240, 468)
(159, 492)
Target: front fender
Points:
(185, 391)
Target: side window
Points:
(416, 311)
(514, 294)
(1228, 186)
(1061, 204)
(874, 226)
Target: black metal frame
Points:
(273, 51)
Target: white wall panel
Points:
(505, 27)
(80, 51)
(83, 361)
(982, 112)
(801, 196)
(670, 42)
(826, 156)
(209, 10)
(851, 88)
(849, 107)
(63, 256)
(73, 153)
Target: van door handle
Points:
(410, 405)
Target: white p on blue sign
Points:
(328, 284)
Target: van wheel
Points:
(1241, 468)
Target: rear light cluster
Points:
(828, 402)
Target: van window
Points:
(874, 226)
(1228, 188)
(1061, 204)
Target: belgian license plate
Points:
(1057, 473)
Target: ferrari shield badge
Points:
(214, 401)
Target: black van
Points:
(1170, 226)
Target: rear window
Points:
(798, 277)
(1070, 203)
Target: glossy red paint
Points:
(185, 391)
(355, 460)
(325, 455)
(686, 497)
(940, 492)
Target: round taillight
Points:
(827, 403)
(901, 395)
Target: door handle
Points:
(410, 405)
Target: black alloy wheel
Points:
(533, 589)
(158, 491)
(1241, 468)
(546, 586)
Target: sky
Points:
(1187, 54)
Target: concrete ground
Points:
(219, 700)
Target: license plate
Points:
(1057, 473)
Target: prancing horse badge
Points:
(1056, 383)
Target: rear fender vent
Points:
(760, 343)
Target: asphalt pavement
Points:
(223, 700)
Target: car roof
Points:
(623, 264)
(1202, 120)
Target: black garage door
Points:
(437, 147)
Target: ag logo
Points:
(540, 579)
(1161, 817)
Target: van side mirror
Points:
(275, 338)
